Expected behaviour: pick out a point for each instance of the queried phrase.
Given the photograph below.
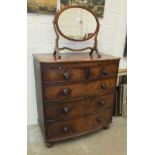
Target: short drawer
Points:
(73, 109)
(103, 70)
(52, 73)
(78, 90)
(63, 73)
(72, 127)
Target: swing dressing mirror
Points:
(76, 23)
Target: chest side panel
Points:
(39, 97)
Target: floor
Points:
(112, 141)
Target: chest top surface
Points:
(72, 57)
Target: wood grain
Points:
(75, 95)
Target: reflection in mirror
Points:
(77, 23)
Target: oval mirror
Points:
(76, 23)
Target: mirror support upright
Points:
(56, 49)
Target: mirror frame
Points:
(58, 32)
(81, 7)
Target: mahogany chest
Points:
(75, 95)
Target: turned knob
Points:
(65, 92)
(65, 129)
(66, 75)
(99, 119)
(104, 72)
(104, 86)
(101, 102)
(66, 110)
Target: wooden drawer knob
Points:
(65, 92)
(101, 103)
(104, 86)
(66, 110)
(99, 119)
(104, 72)
(66, 76)
(65, 129)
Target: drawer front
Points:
(77, 72)
(72, 127)
(62, 92)
(61, 74)
(73, 109)
(100, 70)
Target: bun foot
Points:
(49, 145)
(106, 127)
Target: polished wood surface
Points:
(75, 72)
(75, 95)
(73, 58)
(67, 91)
(66, 128)
(72, 109)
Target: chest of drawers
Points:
(75, 95)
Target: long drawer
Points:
(77, 71)
(72, 109)
(77, 90)
(67, 128)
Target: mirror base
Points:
(57, 55)
(91, 52)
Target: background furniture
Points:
(120, 108)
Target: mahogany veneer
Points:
(75, 95)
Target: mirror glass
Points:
(77, 24)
